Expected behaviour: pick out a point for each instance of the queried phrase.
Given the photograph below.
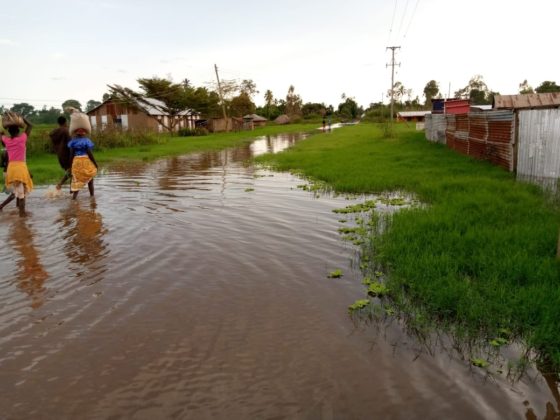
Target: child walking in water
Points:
(83, 164)
(17, 175)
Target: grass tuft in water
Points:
(335, 274)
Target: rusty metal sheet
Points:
(527, 101)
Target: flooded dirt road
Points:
(196, 287)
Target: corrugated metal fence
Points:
(532, 149)
(483, 135)
(539, 144)
(435, 128)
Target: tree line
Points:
(236, 100)
(476, 90)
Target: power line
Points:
(403, 16)
(393, 20)
(411, 18)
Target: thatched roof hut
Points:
(282, 119)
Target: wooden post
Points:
(221, 97)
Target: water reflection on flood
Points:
(30, 273)
(196, 287)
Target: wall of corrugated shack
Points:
(483, 135)
(538, 156)
(435, 125)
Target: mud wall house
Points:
(216, 125)
(143, 117)
(255, 120)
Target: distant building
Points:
(450, 106)
(254, 120)
(282, 119)
(145, 116)
(416, 116)
(480, 108)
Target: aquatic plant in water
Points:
(357, 208)
(336, 274)
(359, 304)
(479, 362)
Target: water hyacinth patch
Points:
(395, 201)
(377, 289)
(498, 342)
(479, 362)
(367, 205)
(336, 274)
(359, 304)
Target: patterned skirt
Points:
(83, 171)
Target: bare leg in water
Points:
(65, 178)
(7, 201)
(90, 188)
(21, 206)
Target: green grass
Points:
(478, 256)
(115, 146)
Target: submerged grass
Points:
(479, 256)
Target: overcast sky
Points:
(55, 50)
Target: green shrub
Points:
(113, 138)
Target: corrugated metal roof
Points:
(150, 106)
(413, 113)
(527, 101)
(480, 107)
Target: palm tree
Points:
(269, 100)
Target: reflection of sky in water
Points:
(266, 144)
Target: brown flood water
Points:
(179, 293)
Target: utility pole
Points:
(392, 64)
(221, 97)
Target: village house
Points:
(143, 117)
(254, 120)
(415, 116)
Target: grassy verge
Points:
(145, 147)
(479, 257)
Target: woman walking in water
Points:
(83, 164)
(18, 178)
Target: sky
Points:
(53, 50)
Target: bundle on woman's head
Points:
(78, 121)
(11, 118)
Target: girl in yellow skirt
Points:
(84, 166)
(18, 178)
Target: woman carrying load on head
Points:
(18, 178)
(83, 164)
